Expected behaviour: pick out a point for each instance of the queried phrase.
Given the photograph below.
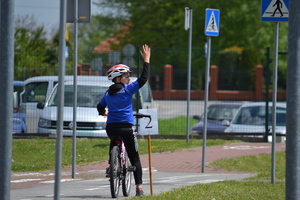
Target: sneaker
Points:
(139, 193)
(107, 172)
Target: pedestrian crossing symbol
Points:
(212, 22)
(275, 10)
(212, 27)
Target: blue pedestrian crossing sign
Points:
(275, 10)
(212, 22)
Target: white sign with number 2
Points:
(148, 125)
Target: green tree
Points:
(35, 54)
(90, 35)
(160, 24)
(30, 54)
(52, 52)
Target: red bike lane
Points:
(190, 160)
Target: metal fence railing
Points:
(171, 112)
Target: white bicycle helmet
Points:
(117, 70)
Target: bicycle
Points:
(120, 169)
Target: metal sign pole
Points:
(75, 89)
(188, 26)
(274, 99)
(293, 107)
(78, 11)
(278, 12)
(212, 25)
(267, 83)
(207, 79)
(6, 84)
(61, 91)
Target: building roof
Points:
(106, 45)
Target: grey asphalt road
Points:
(99, 188)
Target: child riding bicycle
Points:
(120, 119)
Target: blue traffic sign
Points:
(275, 10)
(212, 22)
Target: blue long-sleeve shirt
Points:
(119, 104)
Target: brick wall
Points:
(214, 94)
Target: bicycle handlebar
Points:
(140, 115)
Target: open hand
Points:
(145, 53)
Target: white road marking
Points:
(99, 188)
(246, 147)
(96, 171)
(173, 179)
(24, 180)
(206, 181)
(39, 174)
(27, 174)
(146, 170)
(62, 180)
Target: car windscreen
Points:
(221, 113)
(87, 96)
(35, 92)
(256, 115)
(146, 93)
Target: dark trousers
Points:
(130, 141)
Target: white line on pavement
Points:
(24, 180)
(245, 147)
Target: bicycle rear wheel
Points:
(127, 178)
(114, 172)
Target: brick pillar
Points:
(259, 82)
(96, 73)
(168, 78)
(79, 70)
(168, 71)
(214, 71)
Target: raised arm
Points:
(145, 53)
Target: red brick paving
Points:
(190, 161)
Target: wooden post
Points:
(150, 164)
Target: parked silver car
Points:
(19, 123)
(251, 118)
(216, 114)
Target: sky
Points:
(45, 12)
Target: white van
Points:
(89, 123)
(38, 89)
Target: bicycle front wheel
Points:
(114, 172)
(126, 181)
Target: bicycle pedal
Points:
(131, 168)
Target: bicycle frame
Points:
(119, 142)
